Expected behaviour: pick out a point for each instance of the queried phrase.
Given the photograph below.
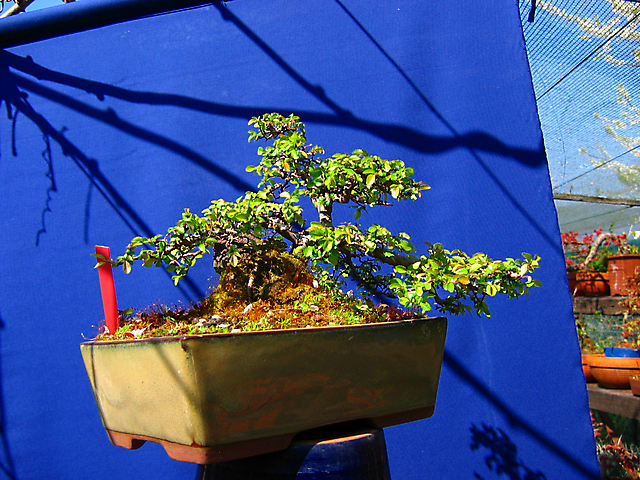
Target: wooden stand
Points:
(314, 456)
(590, 305)
(617, 402)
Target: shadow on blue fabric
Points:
(502, 458)
(16, 98)
(15, 95)
(418, 141)
(413, 139)
(493, 440)
(6, 460)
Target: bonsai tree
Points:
(591, 253)
(266, 238)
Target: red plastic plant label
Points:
(108, 289)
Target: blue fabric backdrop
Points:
(112, 131)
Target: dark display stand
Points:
(314, 456)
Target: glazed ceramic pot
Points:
(212, 398)
(622, 352)
(323, 454)
(613, 372)
(591, 284)
(622, 267)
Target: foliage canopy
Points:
(243, 235)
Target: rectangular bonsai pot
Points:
(212, 398)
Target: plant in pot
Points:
(623, 265)
(598, 333)
(619, 259)
(630, 346)
(588, 346)
(620, 364)
(586, 261)
(278, 347)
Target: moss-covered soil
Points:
(289, 299)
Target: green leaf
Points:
(492, 290)
(333, 257)
(371, 179)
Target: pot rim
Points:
(625, 255)
(594, 274)
(259, 332)
(620, 363)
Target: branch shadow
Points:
(497, 441)
(17, 103)
(473, 142)
(399, 134)
(502, 458)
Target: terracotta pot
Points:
(621, 267)
(586, 369)
(591, 284)
(634, 382)
(212, 398)
(613, 372)
(573, 283)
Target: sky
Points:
(37, 4)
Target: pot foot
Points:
(205, 455)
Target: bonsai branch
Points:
(599, 240)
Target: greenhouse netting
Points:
(585, 64)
